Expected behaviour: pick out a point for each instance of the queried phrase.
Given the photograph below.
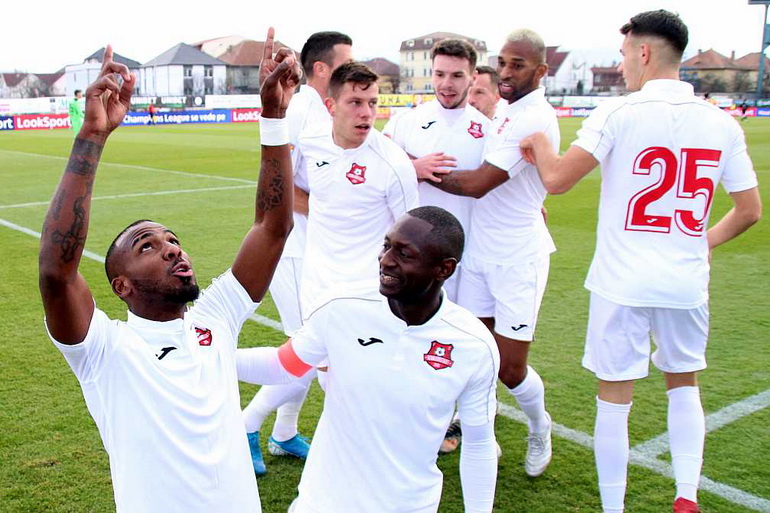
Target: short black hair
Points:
(109, 267)
(77, 91)
(447, 233)
(494, 78)
(660, 23)
(455, 48)
(320, 47)
(356, 72)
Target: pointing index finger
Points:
(268, 51)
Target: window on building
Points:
(425, 55)
(428, 41)
(429, 87)
(187, 71)
(410, 43)
(208, 71)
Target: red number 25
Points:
(683, 173)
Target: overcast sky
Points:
(45, 36)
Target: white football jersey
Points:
(507, 225)
(662, 151)
(165, 398)
(380, 368)
(460, 133)
(306, 109)
(355, 196)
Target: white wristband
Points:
(273, 131)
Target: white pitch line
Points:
(143, 168)
(651, 463)
(583, 439)
(659, 445)
(138, 195)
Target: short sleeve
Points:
(739, 174)
(227, 301)
(308, 342)
(477, 404)
(88, 357)
(596, 136)
(505, 153)
(402, 187)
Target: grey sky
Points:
(45, 36)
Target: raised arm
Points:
(559, 174)
(66, 297)
(261, 248)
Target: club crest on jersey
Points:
(439, 356)
(357, 174)
(502, 127)
(203, 335)
(475, 130)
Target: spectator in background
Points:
(484, 94)
(77, 111)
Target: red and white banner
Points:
(41, 121)
(246, 115)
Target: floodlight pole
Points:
(761, 76)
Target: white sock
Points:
(611, 452)
(267, 400)
(285, 426)
(686, 434)
(530, 395)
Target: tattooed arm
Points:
(66, 298)
(475, 183)
(262, 247)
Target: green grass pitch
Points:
(51, 457)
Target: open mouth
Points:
(182, 270)
(389, 279)
(364, 127)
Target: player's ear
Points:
(446, 268)
(121, 286)
(644, 50)
(320, 69)
(329, 102)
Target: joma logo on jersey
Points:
(357, 174)
(439, 356)
(475, 130)
(203, 335)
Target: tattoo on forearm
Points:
(451, 184)
(56, 204)
(74, 239)
(271, 186)
(84, 157)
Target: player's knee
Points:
(512, 373)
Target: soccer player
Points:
(662, 151)
(360, 182)
(484, 93)
(445, 132)
(509, 247)
(407, 353)
(322, 53)
(162, 387)
(76, 108)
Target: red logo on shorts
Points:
(475, 130)
(357, 174)
(502, 127)
(439, 356)
(204, 336)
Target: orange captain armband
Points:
(290, 361)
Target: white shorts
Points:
(285, 292)
(618, 339)
(512, 294)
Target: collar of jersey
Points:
(146, 324)
(436, 316)
(662, 85)
(535, 96)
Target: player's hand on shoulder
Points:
(432, 166)
(279, 76)
(528, 145)
(108, 98)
